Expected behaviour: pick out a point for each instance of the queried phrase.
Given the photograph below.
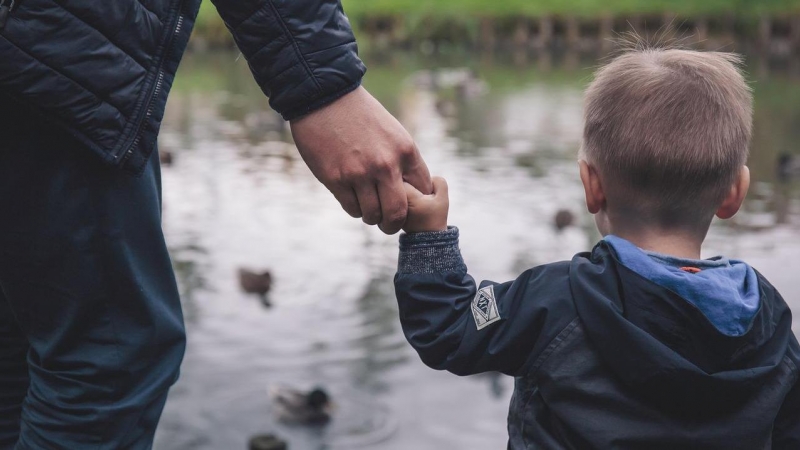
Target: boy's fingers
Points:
(411, 191)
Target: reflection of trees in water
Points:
(221, 81)
(781, 203)
(768, 205)
(476, 123)
(775, 133)
(190, 273)
(382, 349)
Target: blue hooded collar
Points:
(726, 291)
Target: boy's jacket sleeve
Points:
(454, 326)
(302, 52)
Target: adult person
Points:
(91, 332)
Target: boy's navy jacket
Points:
(103, 69)
(604, 358)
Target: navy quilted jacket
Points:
(103, 69)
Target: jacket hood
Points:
(664, 348)
(725, 291)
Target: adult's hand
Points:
(362, 154)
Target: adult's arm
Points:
(304, 56)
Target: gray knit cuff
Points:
(430, 252)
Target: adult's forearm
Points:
(302, 52)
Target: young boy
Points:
(639, 344)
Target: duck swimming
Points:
(563, 219)
(267, 442)
(299, 407)
(256, 283)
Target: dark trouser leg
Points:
(87, 279)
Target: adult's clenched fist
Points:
(362, 154)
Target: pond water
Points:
(504, 132)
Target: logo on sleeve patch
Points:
(484, 308)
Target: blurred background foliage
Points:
(584, 8)
(423, 17)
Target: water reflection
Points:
(505, 132)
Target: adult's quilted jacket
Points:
(103, 69)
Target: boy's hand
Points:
(427, 212)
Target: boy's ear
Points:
(593, 188)
(733, 201)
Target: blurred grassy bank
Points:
(584, 8)
(421, 17)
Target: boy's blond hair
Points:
(668, 130)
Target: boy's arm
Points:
(452, 323)
(455, 326)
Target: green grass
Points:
(357, 9)
(209, 25)
(504, 8)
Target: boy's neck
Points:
(674, 243)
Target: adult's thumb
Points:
(411, 192)
(416, 172)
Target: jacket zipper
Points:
(157, 89)
(6, 6)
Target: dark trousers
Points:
(91, 330)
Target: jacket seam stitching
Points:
(524, 410)
(108, 38)
(792, 366)
(555, 344)
(331, 48)
(297, 112)
(144, 7)
(320, 101)
(247, 16)
(283, 73)
(294, 43)
(67, 77)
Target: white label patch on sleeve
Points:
(484, 308)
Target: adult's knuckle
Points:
(397, 217)
(371, 218)
(384, 167)
(351, 175)
(407, 149)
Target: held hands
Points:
(427, 212)
(362, 154)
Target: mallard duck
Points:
(299, 407)
(267, 442)
(256, 283)
(563, 219)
